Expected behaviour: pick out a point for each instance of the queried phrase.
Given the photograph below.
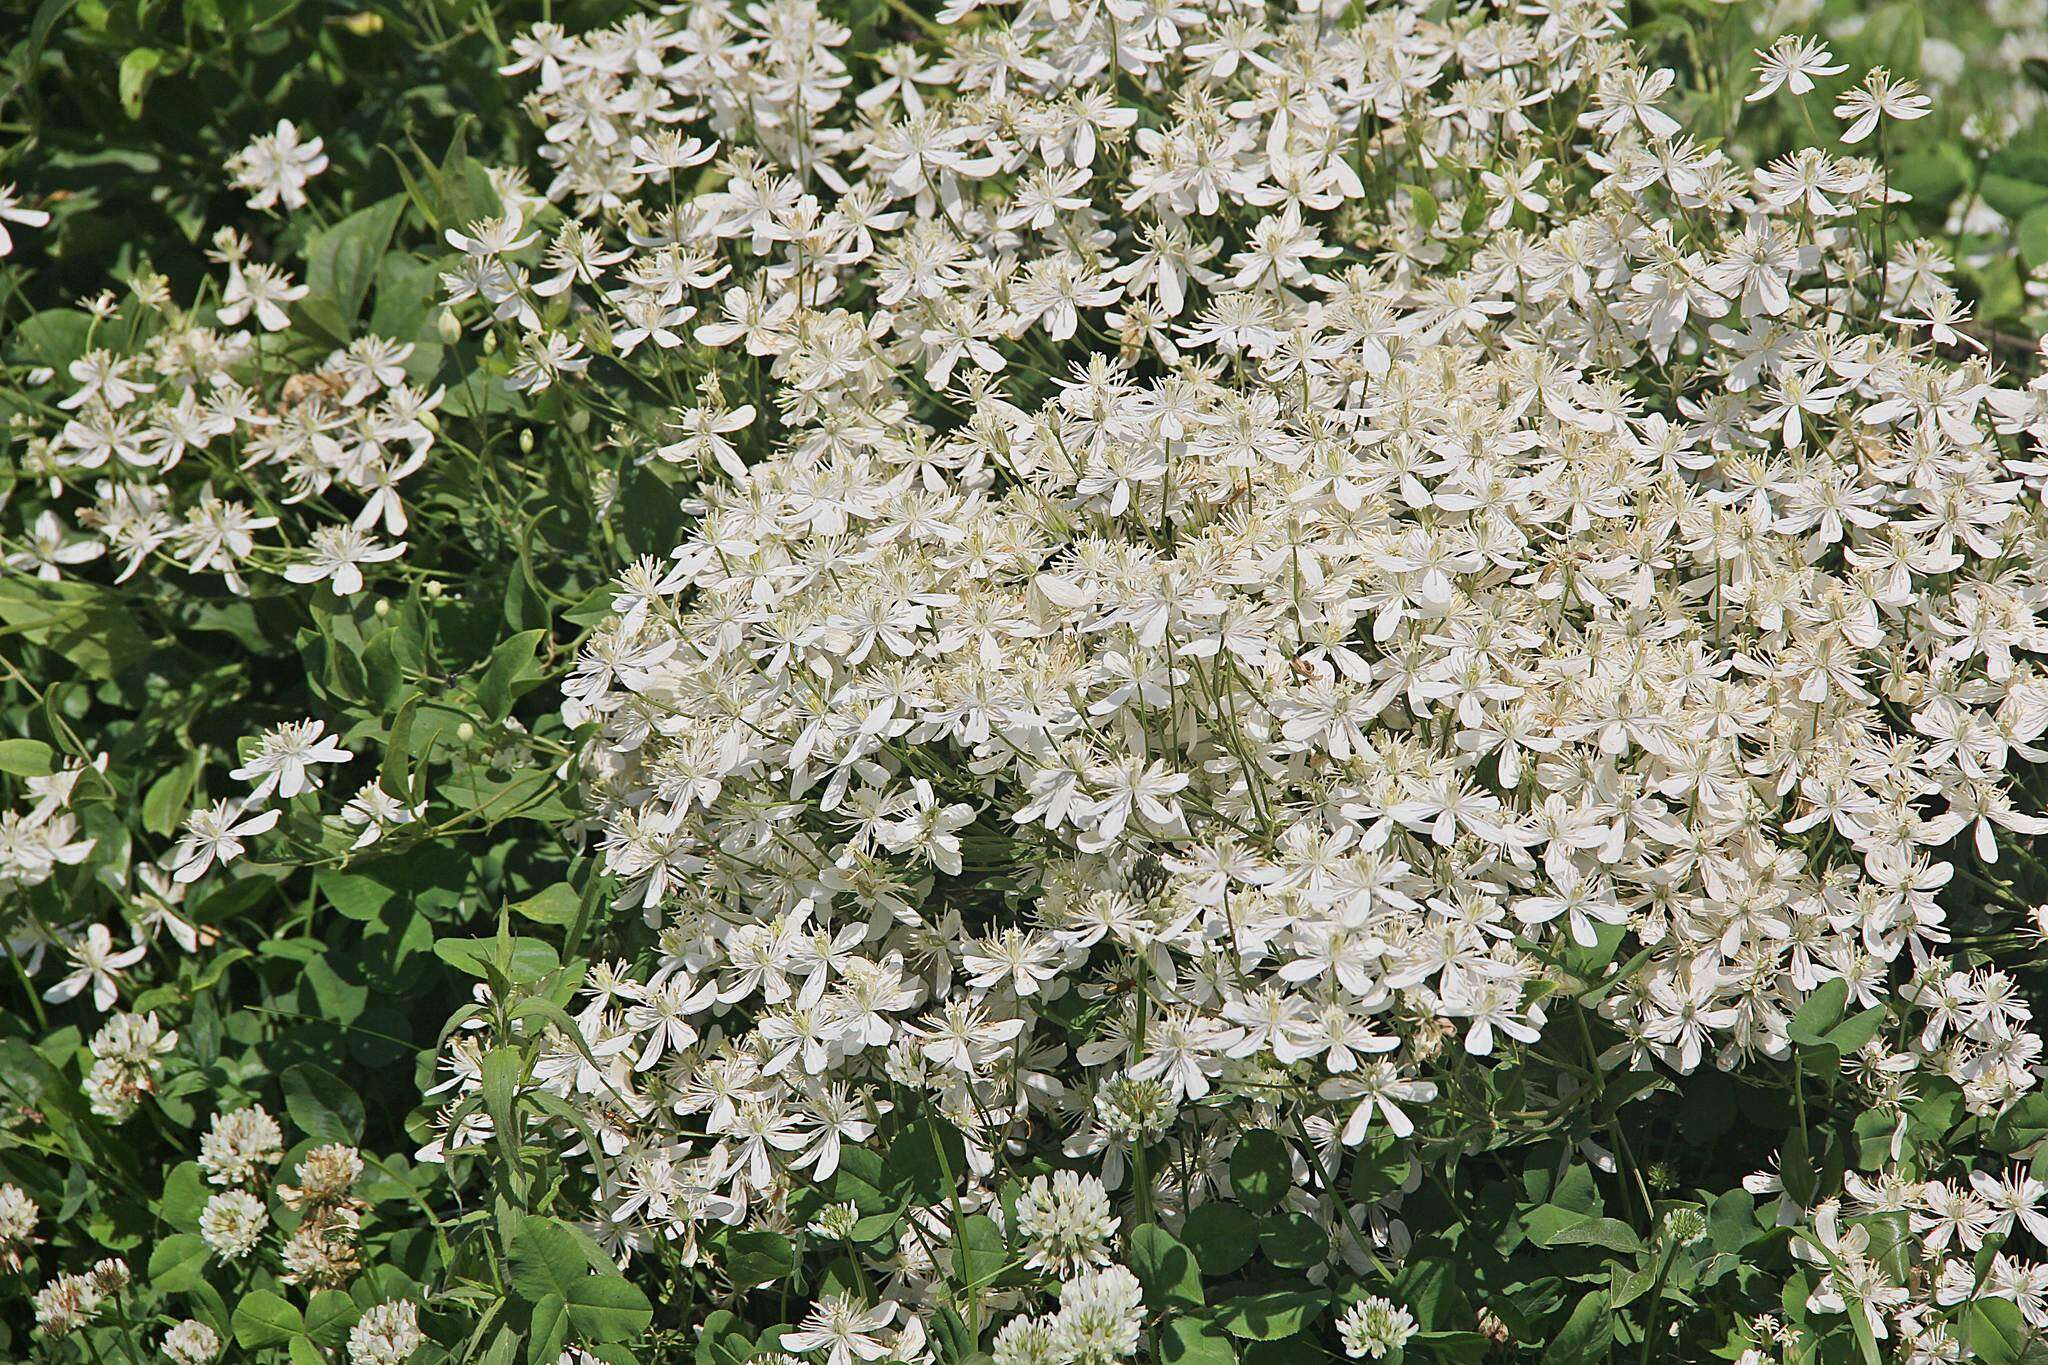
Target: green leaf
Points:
(722, 1340)
(138, 69)
(1994, 1333)
(926, 1158)
(545, 1259)
(1270, 1316)
(329, 1316)
(394, 773)
(82, 623)
(558, 905)
(1891, 37)
(265, 1319)
(1222, 1236)
(322, 1104)
(1167, 1270)
(861, 1180)
(1185, 1339)
(609, 1308)
(523, 960)
(500, 1071)
(58, 336)
(550, 1320)
(1731, 1221)
(185, 1196)
(512, 672)
(1426, 208)
(1795, 1167)
(1261, 1170)
(1586, 1334)
(1294, 1241)
(169, 798)
(979, 1256)
(342, 261)
(178, 1262)
(25, 757)
(760, 1257)
(1608, 1233)
(1821, 1011)
(1853, 1032)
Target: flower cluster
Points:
(198, 441)
(311, 1229)
(1183, 634)
(1252, 623)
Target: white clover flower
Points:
(240, 1147)
(1099, 1315)
(386, 1334)
(17, 1226)
(1066, 1222)
(191, 1342)
(232, 1223)
(1374, 1328)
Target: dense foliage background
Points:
(323, 978)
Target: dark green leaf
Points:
(322, 1104)
(1261, 1170)
(1166, 1269)
(1222, 1237)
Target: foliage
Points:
(1032, 683)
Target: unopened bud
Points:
(526, 440)
(465, 732)
(449, 326)
(368, 24)
(382, 608)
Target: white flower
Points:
(375, 811)
(839, 1326)
(386, 1334)
(13, 211)
(99, 965)
(191, 1342)
(1879, 97)
(1793, 63)
(1374, 1328)
(275, 167)
(232, 1223)
(263, 290)
(216, 832)
(337, 554)
(284, 758)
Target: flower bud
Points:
(465, 732)
(449, 326)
